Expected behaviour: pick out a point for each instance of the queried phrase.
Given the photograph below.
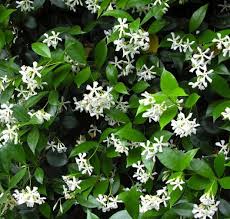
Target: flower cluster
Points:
(184, 127)
(150, 202)
(52, 40)
(207, 208)
(56, 145)
(200, 61)
(28, 196)
(223, 43)
(96, 101)
(107, 202)
(83, 164)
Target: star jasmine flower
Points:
(10, 134)
(28, 196)
(207, 208)
(154, 113)
(147, 100)
(72, 182)
(226, 114)
(93, 131)
(56, 146)
(121, 27)
(176, 183)
(71, 4)
(223, 43)
(184, 127)
(92, 6)
(41, 115)
(83, 164)
(52, 40)
(25, 5)
(122, 105)
(146, 73)
(225, 7)
(225, 148)
(107, 202)
(6, 113)
(177, 42)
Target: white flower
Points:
(71, 4)
(41, 115)
(225, 6)
(162, 3)
(28, 196)
(92, 6)
(52, 40)
(121, 27)
(146, 73)
(96, 101)
(225, 148)
(122, 105)
(207, 208)
(154, 113)
(176, 183)
(223, 44)
(93, 131)
(81, 139)
(150, 149)
(6, 113)
(56, 146)
(4, 83)
(183, 126)
(10, 134)
(226, 113)
(107, 202)
(25, 5)
(120, 146)
(29, 73)
(147, 100)
(150, 202)
(83, 164)
(141, 174)
(72, 182)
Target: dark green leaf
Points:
(100, 53)
(32, 139)
(83, 147)
(225, 182)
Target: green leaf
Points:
(41, 49)
(128, 133)
(219, 164)
(168, 82)
(118, 115)
(2, 39)
(83, 147)
(39, 175)
(100, 53)
(167, 116)
(197, 182)
(17, 178)
(191, 100)
(121, 88)
(220, 86)
(20, 113)
(134, 156)
(184, 209)
(45, 210)
(112, 73)
(225, 182)
(5, 14)
(32, 139)
(219, 108)
(101, 187)
(131, 201)
(156, 26)
(221, 70)
(197, 18)
(118, 14)
(53, 98)
(90, 215)
(82, 76)
(121, 215)
(60, 74)
(176, 160)
(76, 52)
(224, 207)
(35, 99)
(201, 168)
(140, 86)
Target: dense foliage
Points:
(114, 109)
